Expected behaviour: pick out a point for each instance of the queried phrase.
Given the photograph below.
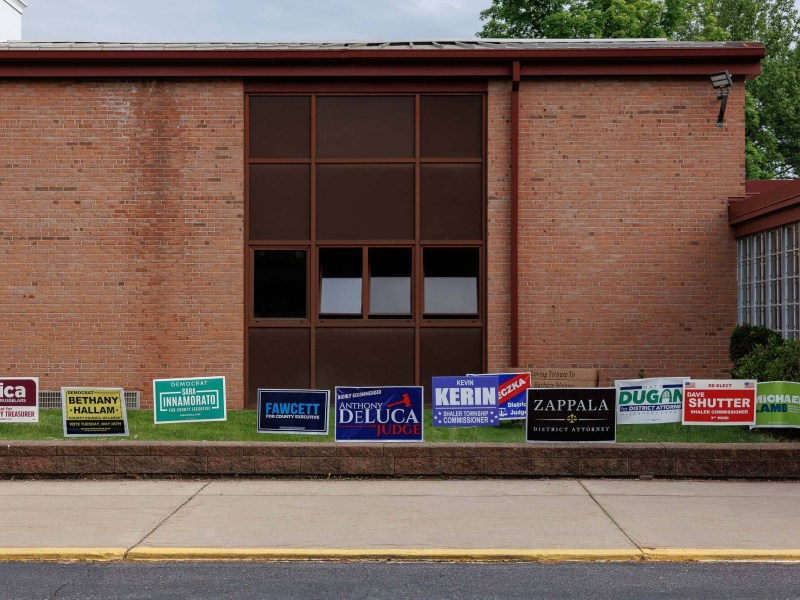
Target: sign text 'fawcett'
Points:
(293, 411)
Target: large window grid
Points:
(769, 279)
(415, 229)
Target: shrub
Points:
(745, 338)
(777, 361)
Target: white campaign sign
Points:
(656, 400)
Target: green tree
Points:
(772, 110)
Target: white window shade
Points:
(390, 295)
(341, 295)
(451, 295)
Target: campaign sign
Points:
(777, 404)
(293, 411)
(466, 401)
(93, 412)
(189, 400)
(511, 394)
(657, 400)
(378, 414)
(19, 399)
(719, 402)
(571, 415)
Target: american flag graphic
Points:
(749, 385)
(690, 384)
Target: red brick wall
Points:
(626, 260)
(498, 243)
(121, 232)
(122, 225)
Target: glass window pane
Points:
(390, 281)
(451, 281)
(451, 126)
(279, 286)
(365, 126)
(340, 291)
(280, 202)
(280, 127)
(365, 202)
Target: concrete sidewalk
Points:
(396, 519)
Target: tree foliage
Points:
(772, 108)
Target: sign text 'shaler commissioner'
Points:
(719, 402)
(466, 401)
(571, 415)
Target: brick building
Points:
(306, 215)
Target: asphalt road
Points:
(259, 580)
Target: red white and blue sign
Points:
(511, 398)
(379, 414)
(293, 411)
(466, 401)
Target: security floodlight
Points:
(722, 82)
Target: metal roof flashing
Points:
(409, 58)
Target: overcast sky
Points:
(249, 20)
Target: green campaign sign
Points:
(189, 400)
(777, 404)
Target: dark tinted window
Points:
(365, 202)
(390, 281)
(451, 281)
(280, 202)
(279, 287)
(280, 127)
(365, 127)
(451, 126)
(451, 196)
(341, 280)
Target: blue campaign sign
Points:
(378, 414)
(293, 411)
(512, 401)
(466, 401)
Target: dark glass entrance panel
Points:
(451, 197)
(280, 127)
(278, 358)
(365, 356)
(452, 126)
(279, 284)
(450, 351)
(365, 127)
(366, 242)
(280, 202)
(365, 202)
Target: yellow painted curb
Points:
(718, 554)
(456, 555)
(95, 554)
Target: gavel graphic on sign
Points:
(405, 401)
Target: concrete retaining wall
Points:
(193, 459)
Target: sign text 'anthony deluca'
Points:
(380, 414)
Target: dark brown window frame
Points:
(417, 321)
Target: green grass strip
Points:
(241, 427)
